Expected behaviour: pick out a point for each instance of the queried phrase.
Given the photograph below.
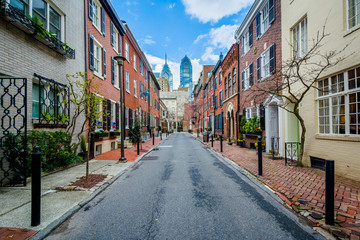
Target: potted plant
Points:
(229, 141)
(115, 133)
(241, 140)
(101, 134)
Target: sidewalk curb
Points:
(41, 234)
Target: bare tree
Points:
(296, 77)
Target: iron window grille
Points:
(25, 23)
(53, 107)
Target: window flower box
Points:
(114, 133)
(101, 134)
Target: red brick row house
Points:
(107, 37)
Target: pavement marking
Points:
(166, 146)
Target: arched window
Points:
(230, 84)
(225, 87)
(234, 80)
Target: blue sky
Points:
(201, 29)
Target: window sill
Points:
(117, 52)
(351, 30)
(98, 75)
(116, 87)
(97, 28)
(128, 91)
(349, 138)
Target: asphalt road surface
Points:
(183, 191)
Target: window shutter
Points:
(250, 35)
(112, 34)
(104, 62)
(117, 117)
(91, 11)
(258, 68)
(262, 117)
(271, 11)
(91, 52)
(242, 81)
(112, 71)
(104, 108)
(103, 20)
(120, 50)
(251, 78)
(244, 112)
(258, 30)
(272, 58)
(109, 123)
(242, 46)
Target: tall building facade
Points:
(186, 74)
(166, 73)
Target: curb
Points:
(41, 234)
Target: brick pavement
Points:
(292, 184)
(130, 154)
(16, 233)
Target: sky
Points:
(200, 29)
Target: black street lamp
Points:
(120, 61)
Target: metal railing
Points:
(292, 150)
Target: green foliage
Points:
(83, 144)
(135, 132)
(115, 130)
(59, 117)
(102, 131)
(250, 125)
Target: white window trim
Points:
(98, 5)
(262, 29)
(329, 96)
(246, 45)
(357, 25)
(135, 62)
(98, 73)
(246, 78)
(127, 52)
(113, 113)
(298, 28)
(135, 88)
(116, 39)
(127, 81)
(263, 59)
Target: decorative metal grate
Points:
(13, 103)
(51, 107)
(275, 146)
(21, 20)
(292, 150)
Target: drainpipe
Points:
(238, 93)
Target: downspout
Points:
(85, 38)
(238, 93)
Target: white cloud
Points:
(214, 10)
(220, 38)
(158, 63)
(148, 40)
(171, 5)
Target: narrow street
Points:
(182, 191)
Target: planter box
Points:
(101, 135)
(114, 134)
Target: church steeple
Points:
(165, 58)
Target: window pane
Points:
(39, 6)
(55, 23)
(21, 5)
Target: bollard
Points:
(35, 187)
(212, 140)
(259, 156)
(153, 139)
(138, 146)
(160, 135)
(221, 142)
(329, 191)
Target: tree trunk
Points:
(302, 138)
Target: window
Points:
(230, 84)
(134, 61)
(115, 38)
(126, 118)
(116, 75)
(266, 63)
(245, 79)
(97, 58)
(339, 103)
(219, 78)
(99, 123)
(353, 16)
(299, 33)
(21, 5)
(234, 80)
(221, 98)
(113, 115)
(225, 87)
(96, 14)
(36, 100)
(135, 91)
(127, 51)
(141, 67)
(127, 82)
(245, 47)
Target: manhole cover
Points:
(150, 158)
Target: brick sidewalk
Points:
(130, 154)
(292, 184)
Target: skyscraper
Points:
(186, 74)
(166, 73)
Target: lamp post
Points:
(120, 61)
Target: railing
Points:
(292, 150)
(275, 146)
(21, 20)
(53, 106)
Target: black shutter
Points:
(91, 12)
(104, 108)
(250, 35)
(244, 112)
(103, 20)
(104, 62)
(243, 81)
(258, 29)
(109, 123)
(272, 58)
(271, 11)
(112, 34)
(112, 71)
(130, 117)
(117, 117)
(120, 50)
(91, 52)
(258, 68)
(251, 77)
(262, 117)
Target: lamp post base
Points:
(122, 159)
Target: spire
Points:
(165, 58)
